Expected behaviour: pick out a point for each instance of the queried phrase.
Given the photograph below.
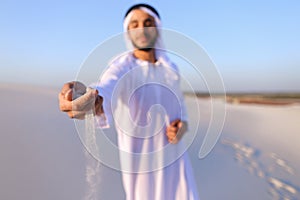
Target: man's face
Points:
(142, 30)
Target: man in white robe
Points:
(140, 93)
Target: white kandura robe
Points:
(141, 98)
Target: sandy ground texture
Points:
(42, 157)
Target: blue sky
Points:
(254, 44)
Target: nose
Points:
(140, 30)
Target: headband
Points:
(149, 11)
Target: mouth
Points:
(143, 39)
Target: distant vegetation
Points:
(254, 98)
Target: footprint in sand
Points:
(248, 157)
(282, 163)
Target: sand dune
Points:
(42, 156)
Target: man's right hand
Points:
(76, 101)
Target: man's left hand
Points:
(176, 130)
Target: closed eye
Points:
(149, 22)
(133, 24)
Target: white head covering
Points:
(159, 45)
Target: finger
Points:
(182, 126)
(68, 95)
(75, 86)
(64, 105)
(179, 124)
(172, 128)
(171, 133)
(66, 87)
(173, 137)
(80, 114)
(65, 96)
(83, 101)
(170, 140)
(173, 140)
(175, 122)
(87, 107)
(76, 114)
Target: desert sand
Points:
(42, 157)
